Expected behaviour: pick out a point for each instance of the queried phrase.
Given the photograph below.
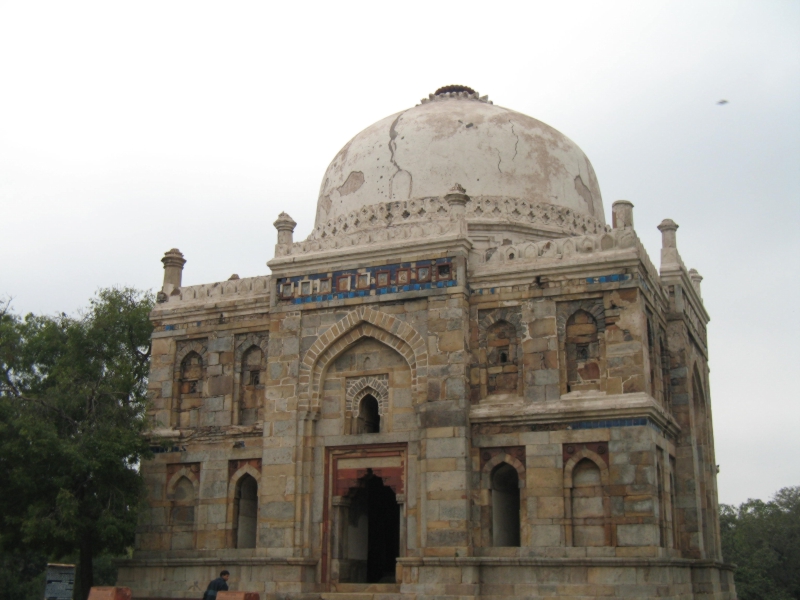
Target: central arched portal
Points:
(374, 531)
(365, 513)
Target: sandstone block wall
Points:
(587, 391)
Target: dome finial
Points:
(462, 92)
(453, 88)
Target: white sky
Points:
(130, 128)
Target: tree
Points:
(763, 540)
(72, 415)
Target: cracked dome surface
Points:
(490, 150)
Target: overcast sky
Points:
(130, 128)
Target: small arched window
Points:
(501, 352)
(251, 385)
(505, 506)
(369, 418)
(191, 375)
(246, 511)
(582, 348)
(190, 388)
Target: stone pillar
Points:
(669, 247)
(622, 214)
(285, 226)
(696, 279)
(340, 505)
(668, 227)
(457, 200)
(173, 270)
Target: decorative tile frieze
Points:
(368, 281)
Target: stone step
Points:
(366, 591)
(366, 588)
(384, 596)
(365, 596)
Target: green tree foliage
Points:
(72, 414)
(763, 540)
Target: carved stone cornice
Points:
(577, 407)
(426, 217)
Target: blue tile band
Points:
(437, 274)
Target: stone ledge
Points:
(587, 407)
(342, 258)
(253, 561)
(514, 561)
(225, 433)
(349, 303)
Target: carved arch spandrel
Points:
(360, 323)
(190, 471)
(567, 309)
(243, 344)
(189, 346)
(375, 385)
(578, 457)
(509, 314)
(486, 470)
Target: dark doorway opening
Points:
(505, 506)
(369, 418)
(373, 533)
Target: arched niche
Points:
(246, 511)
(505, 501)
(251, 387)
(498, 368)
(250, 366)
(582, 352)
(368, 368)
(242, 506)
(586, 500)
(502, 358)
(188, 381)
(191, 375)
(182, 496)
(359, 389)
(587, 505)
(504, 498)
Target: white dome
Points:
(456, 137)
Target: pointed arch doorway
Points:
(364, 520)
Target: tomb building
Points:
(463, 384)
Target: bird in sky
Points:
(722, 102)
